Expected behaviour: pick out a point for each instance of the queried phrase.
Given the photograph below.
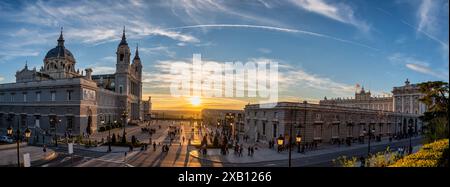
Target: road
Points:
(326, 160)
(178, 154)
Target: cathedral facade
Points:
(59, 99)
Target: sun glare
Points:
(195, 101)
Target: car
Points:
(6, 139)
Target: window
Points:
(255, 114)
(264, 113)
(317, 132)
(120, 89)
(38, 96)
(2, 97)
(274, 130)
(69, 122)
(264, 128)
(53, 93)
(121, 57)
(350, 131)
(37, 121)
(335, 131)
(24, 97)
(12, 97)
(318, 117)
(275, 114)
(69, 95)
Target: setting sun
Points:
(195, 101)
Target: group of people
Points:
(165, 148)
(238, 149)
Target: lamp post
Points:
(304, 118)
(298, 139)
(280, 142)
(109, 136)
(124, 118)
(370, 132)
(27, 136)
(410, 134)
(55, 121)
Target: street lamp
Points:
(27, 133)
(280, 142)
(9, 130)
(370, 132)
(54, 121)
(124, 118)
(298, 139)
(410, 134)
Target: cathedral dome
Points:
(60, 51)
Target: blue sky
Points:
(327, 46)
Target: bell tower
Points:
(122, 65)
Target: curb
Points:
(37, 163)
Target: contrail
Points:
(275, 29)
(416, 28)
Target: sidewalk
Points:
(9, 155)
(265, 154)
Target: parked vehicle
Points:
(6, 139)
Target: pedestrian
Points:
(154, 146)
(241, 148)
(363, 161)
(252, 151)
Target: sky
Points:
(324, 47)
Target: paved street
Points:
(180, 153)
(325, 160)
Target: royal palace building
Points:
(338, 119)
(60, 99)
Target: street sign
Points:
(70, 145)
(26, 160)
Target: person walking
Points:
(241, 148)
(154, 146)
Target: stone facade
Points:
(334, 119)
(363, 100)
(59, 99)
(146, 109)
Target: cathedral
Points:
(59, 99)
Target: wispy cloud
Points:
(428, 24)
(289, 78)
(300, 78)
(417, 65)
(159, 50)
(264, 50)
(94, 21)
(279, 29)
(339, 12)
(97, 70)
(208, 11)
